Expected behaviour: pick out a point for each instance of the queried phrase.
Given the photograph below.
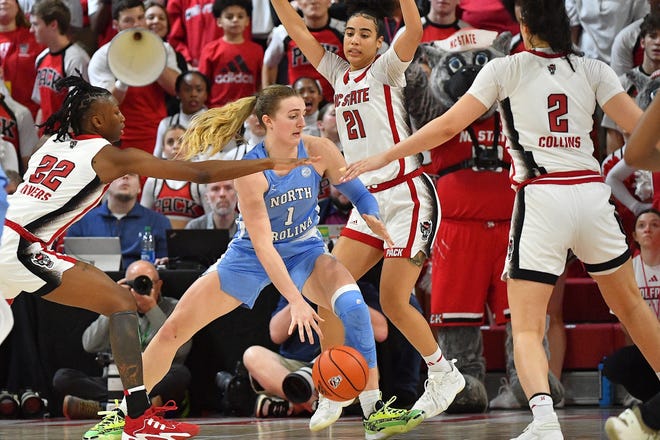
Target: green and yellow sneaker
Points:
(387, 421)
(110, 427)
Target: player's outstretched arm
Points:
(643, 149)
(111, 163)
(436, 132)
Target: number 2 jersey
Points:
(60, 187)
(546, 102)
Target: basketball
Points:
(340, 373)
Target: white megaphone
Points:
(137, 57)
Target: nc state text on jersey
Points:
(355, 97)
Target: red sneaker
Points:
(152, 426)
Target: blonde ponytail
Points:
(210, 131)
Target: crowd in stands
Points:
(219, 51)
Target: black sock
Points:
(137, 402)
(650, 411)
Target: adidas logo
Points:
(653, 279)
(236, 72)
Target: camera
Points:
(142, 285)
(298, 385)
(237, 398)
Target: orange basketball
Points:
(340, 373)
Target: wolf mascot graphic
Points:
(471, 172)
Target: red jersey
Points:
(488, 14)
(234, 70)
(178, 203)
(143, 108)
(50, 68)
(18, 53)
(434, 31)
(192, 26)
(9, 126)
(467, 193)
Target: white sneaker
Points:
(440, 389)
(628, 426)
(327, 412)
(542, 429)
(505, 398)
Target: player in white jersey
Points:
(547, 97)
(371, 117)
(66, 178)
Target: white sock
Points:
(368, 401)
(123, 407)
(541, 405)
(437, 362)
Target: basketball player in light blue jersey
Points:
(277, 241)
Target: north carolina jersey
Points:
(648, 281)
(547, 121)
(60, 187)
(52, 66)
(370, 108)
(291, 202)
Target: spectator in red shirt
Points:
(18, 52)
(232, 62)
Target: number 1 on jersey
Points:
(289, 216)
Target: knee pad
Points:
(349, 306)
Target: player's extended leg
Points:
(203, 302)
(87, 287)
(528, 302)
(444, 380)
(332, 287)
(621, 294)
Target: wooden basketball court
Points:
(579, 423)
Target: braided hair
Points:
(75, 107)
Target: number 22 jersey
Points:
(60, 187)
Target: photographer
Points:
(86, 395)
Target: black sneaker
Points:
(268, 406)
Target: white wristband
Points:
(121, 86)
